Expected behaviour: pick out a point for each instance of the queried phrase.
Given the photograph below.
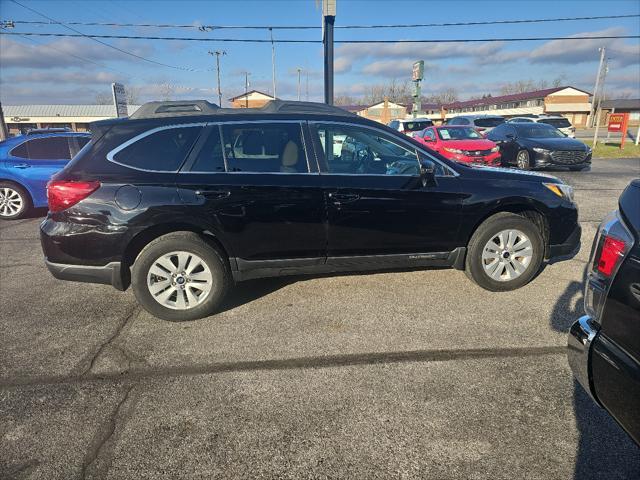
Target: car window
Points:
(489, 122)
(499, 132)
(458, 133)
(163, 151)
(538, 130)
(556, 122)
(366, 151)
(210, 157)
(49, 148)
(430, 134)
(76, 143)
(273, 147)
(416, 126)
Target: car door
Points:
(35, 161)
(254, 183)
(379, 207)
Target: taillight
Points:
(611, 253)
(64, 194)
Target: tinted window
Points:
(489, 122)
(76, 144)
(416, 126)
(538, 130)
(163, 151)
(500, 131)
(50, 148)
(366, 151)
(210, 157)
(265, 148)
(556, 122)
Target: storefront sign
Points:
(618, 122)
(120, 99)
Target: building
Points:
(377, 111)
(624, 105)
(252, 99)
(20, 118)
(570, 102)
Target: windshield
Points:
(556, 122)
(488, 122)
(416, 126)
(458, 133)
(538, 131)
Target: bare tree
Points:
(448, 95)
(133, 95)
(346, 100)
(395, 91)
(104, 99)
(166, 90)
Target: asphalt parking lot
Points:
(396, 375)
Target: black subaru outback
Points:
(183, 199)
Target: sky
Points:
(57, 70)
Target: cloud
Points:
(73, 77)
(581, 51)
(400, 68)
(59, 53)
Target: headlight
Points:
(561, 189)
(495, 149)
(453, 150)
(541, 150)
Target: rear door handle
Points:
(22, 165)
(339, 198)
(213, 193)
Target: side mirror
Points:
(428, 139)
(427, 173)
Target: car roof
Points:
(478, 116)
(419, 119)
(21, 138)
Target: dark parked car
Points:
(482, 123)
(537, 145)
(27, 163)
(604, 345)
(183, 199)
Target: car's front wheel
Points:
(180, 277)
(14, 201)
(505, 252)
(523, 160)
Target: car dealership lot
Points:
(404, 375)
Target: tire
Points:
(523, 160)
(192, 269)
(15, 202)
(516, 265)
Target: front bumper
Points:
(109, 274)
(581, 336)
(544, 160)
(568, 249)
(493, 159)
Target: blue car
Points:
(27, 162)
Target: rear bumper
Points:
(581, 337)
(568, 249)
(109, 274)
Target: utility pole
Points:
(306, 72)
(273, 63)
(605, 70)
(217, 53)
(246, 89)
(329, 19)
(592, 110)
(4, 133)
(299, 70)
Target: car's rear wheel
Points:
(523, 161)
(505, 252)
(14, 201)
(180, 277)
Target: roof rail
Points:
(289, 106)
(175, 109)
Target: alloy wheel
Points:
(179, 280)
(507, 255)
(523, 160)
(11, 202)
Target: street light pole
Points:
(246, 89)
(217, 53)
(299, 70)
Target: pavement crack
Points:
(97, 460)
(90, 360)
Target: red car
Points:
(461, 144)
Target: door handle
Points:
(213, 193)
(22, 165)
(339, 198)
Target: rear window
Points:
(489, 122)
(163, 151)
(416, 126)
(556, 122)
(48, 148)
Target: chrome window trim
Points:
(131, 141)
(400, 140)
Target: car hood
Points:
(499, 173)
(556, 143)
(469, 144)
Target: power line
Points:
(313, 27)
(95, 39)
(258, 40)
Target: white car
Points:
(561, 123)
(410, 126)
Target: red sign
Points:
(618, 123)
